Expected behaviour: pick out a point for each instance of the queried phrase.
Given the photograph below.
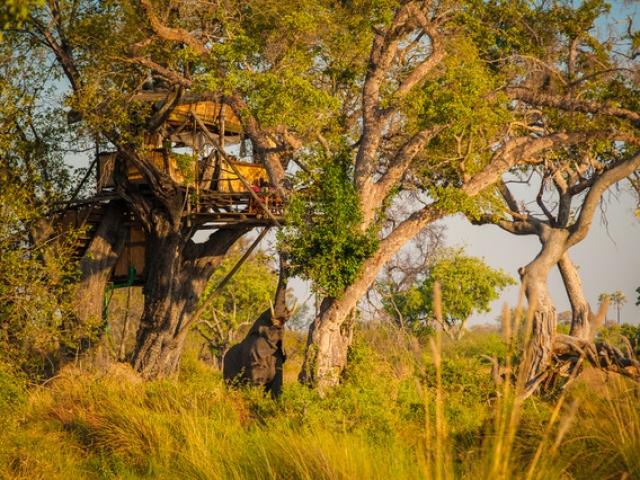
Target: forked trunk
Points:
(583, 321)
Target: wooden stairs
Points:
(83, 219)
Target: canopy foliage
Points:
(467, 284)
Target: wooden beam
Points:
(226, 279)
(234, 168)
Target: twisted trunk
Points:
(544, 317)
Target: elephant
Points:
(258, 358)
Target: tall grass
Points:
(406, 410)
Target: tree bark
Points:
(327, 346)
(178, 273)
(583, 321)
(98, 263)
(544, 317)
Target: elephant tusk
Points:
(273, 312)
(293, 310)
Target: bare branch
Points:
(508, 196)
(616, 173)
(401, 161)
(63, 54)
(541, 203)
(172, 34)
(535, 97)
(170, 75)
(437, 52)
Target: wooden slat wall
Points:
(133, 253)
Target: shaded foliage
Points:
(36, 282)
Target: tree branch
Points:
(541, 204)
(437, 51)
(508, 196)
(534, 97)
(579, 230)
(522, 149)
(63, 54)
(401, 161)
(171, 34)
(170, 75)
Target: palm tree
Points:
(603, 296)
(618, 300)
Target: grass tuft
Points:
(407, 408)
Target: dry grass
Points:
(405, 410)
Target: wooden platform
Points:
(212, 211)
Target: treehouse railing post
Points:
(235, 169)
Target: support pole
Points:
(235, 169)
(226, 279)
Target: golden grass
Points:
(442, 422)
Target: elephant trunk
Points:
(280, 306)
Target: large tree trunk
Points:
(177, 273)
(583, 321)
(326, 354)
(327, 345)
(98, 263)
(177, 276)
(543, 312)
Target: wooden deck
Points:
(209, 211)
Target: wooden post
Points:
(235, 169)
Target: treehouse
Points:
(180, 131)
(190, 147)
